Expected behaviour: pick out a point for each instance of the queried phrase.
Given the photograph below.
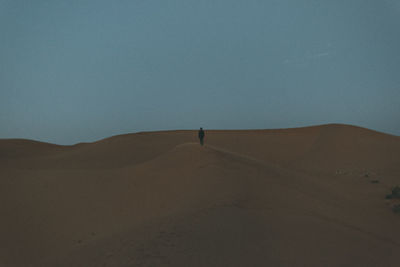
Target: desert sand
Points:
(312, 196)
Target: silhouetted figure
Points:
(201, 136)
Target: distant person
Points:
(201, 136)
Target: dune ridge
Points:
(288, 197)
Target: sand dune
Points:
(290, 197)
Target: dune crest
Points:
(312, 196)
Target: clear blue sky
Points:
(81, 70)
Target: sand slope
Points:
(291, 197)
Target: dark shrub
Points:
(396, 208)
(395, 193)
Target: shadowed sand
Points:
(290, 197)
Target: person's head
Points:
(201, 128)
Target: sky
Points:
(81, 70)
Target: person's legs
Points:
(201, 141)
